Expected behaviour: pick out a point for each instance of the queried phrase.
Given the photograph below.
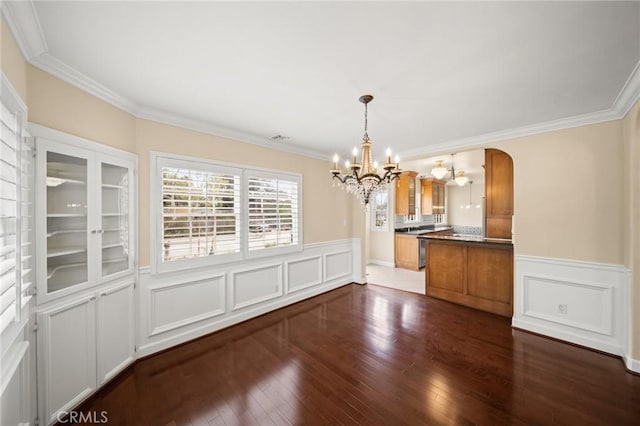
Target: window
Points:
(16, 167)
(199, 213)
(380, 211)
(273, 212)
(208, 213)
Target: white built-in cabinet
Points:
(83, 342)
(84, 218)
(86, 258)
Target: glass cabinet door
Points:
(115, 229)
(67, 226)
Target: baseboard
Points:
(381, 263)
(633, 365)
(574, 338)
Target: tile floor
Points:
(398, 278)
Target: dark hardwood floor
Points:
(374, 356)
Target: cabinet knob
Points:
(94, 231)
(92, 298)
(104, 293)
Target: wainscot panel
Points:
(579, 302)
(303, 273)
(337, 265)
(175, 307)
(182, 303)
(254, 285)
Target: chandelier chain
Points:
(366, 120)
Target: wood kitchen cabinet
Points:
(432, 196)
(478, 275)
(498, 193)
(407, 251)
(406, 193)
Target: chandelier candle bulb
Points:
(335, 162)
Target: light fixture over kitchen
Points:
(461, 179)
(439, 170)
(362, 179)
(468, 206)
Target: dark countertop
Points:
(469, 239)
(422, 230)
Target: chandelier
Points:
(362, 179)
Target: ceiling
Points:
(443, 75)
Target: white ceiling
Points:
(441, 73)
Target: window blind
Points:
(27, 196)
(9, 211)
(273, 212)
(200, 213)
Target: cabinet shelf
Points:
(49, 215)
(113, 214)
(111, 186)
(65, 231)
(59, 181)
(118, 260)
(112, 245)
(64, 251)
(53, 269)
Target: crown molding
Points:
(534, 129)
(225, 132)
(630, 93)
(50, 64)
(25, 26)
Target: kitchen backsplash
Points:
(401, 221)
(467, 230)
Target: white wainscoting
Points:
(580, 302)
(176, 307)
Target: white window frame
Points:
(23, 279)
(159, 160)
(374, 205)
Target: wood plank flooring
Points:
(373, 356)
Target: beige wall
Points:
(631, 126)
(61, 106)
(459, 195)
(12, 62)
(327, 210)
(568, 193)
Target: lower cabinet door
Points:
(115, 330)
(66, 355)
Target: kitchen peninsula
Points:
(470, 270)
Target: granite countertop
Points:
(422, 230)
(469, 239)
